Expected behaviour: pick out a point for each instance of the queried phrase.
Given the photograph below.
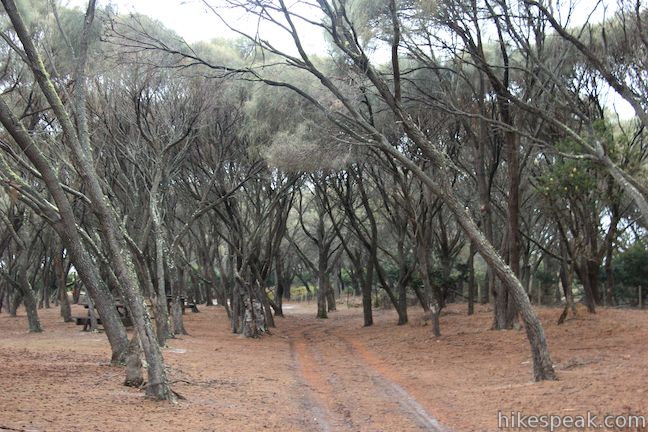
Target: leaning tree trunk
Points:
(22, 283)
(385, 285)
(78, 140)
(134, 377)
(15, 298)
(29, 296)
(67, 226)
(422, 298)
(542, 364)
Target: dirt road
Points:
(349, 387)
(325, 375)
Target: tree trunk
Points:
(483, 186)
(513, 210)
(29, 299)
(584, 275)
(78, 140)
(321, 298)
(542, 364)
(436, 324)
(237, 310)
(67, 230)
(160, 301)
(330, 296)
(178, 290)
(402, 303)
(367, 284)
(422, 298)
(323, 286)
(472, 288)
(134, 377)
(402, 278)
(279, 285)
(390, 293)
(14, 303)
(609, 278)
(423, 267)
(61, 282)
(91, 314)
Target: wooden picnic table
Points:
(184, 304)
(86, 321)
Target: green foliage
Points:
(346, 278)
(439, 278)
(631, 266)
(221, 51)
(568, 178)
(71, 21)
(32, 11)
(300, 290)
(545, 277)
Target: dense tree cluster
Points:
(481, 163)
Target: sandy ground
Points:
(328, 375)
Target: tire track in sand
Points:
(349, 389)
(310, 382)
(382, 374)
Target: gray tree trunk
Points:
(61, 282)
(78, 140)
(66, 227)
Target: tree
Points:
(356, 124)
(78, 141)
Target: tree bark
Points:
(134, 377)
(61, 282)
(29, 296)
(67, 230)
(78, 140)
(542, 364)
(472, 288)
(161, 305)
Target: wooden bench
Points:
(184, 304)
(121, 311)
(192, 306)
(85, 322)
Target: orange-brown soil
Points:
(330, 375)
